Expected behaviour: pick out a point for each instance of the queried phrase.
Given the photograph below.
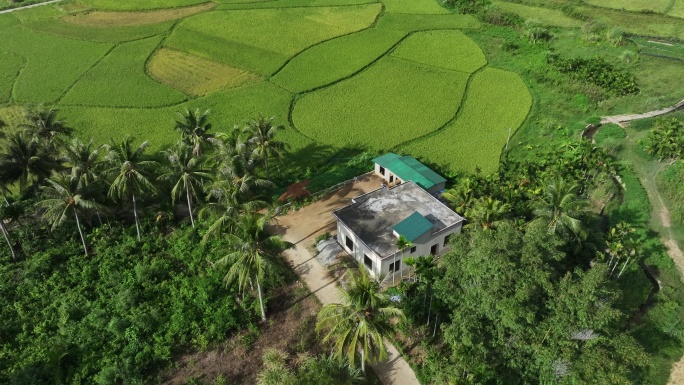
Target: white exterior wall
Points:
(387, 175)
(360, 249)
(422, 244)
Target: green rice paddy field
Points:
(395, 75)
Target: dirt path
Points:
(29, 6)
(618, 119)
(301, 227)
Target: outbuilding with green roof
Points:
(396, 169)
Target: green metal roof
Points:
(408, 168)
(413, 227)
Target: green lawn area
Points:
(122, 74)
(10, 65)
(414, 6)
(552, 17)
(496, 101)
(136, 5)
(234, 38)
(391, 102)
(335, 59)
(450, 50)
(658, 6)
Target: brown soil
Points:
(128, 19)
(289, 328)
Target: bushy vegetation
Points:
(670, 182)
(599, 72)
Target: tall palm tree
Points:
(252, 253)
(194, 128)
(461, 197)
(23, 158)
(44, 125)
(3, 228)
(131, 173)
(361, 321)
(487, 213)
(261, 135)
(402, 244)
(84, 160)
(561, 208)
(184, 171)
(64, 195)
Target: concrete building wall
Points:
(387, 175)
(423, 246)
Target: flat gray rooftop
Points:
(374, 215)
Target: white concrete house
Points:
(395, 169)
(368, 228)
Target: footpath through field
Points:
(29, 6)
(301, 227)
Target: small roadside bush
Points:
(597, 71)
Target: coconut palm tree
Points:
(184, 171)
(252, 253)
(402, 244)
(131, 173)
(194, 128)
(64, 195)
(84, 160)
(23, 159)
(461, 197)
(487, 213)
(561, 208)
(261, 135)
(3, 228)
(361, 321)
(45, 127)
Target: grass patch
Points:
(677, 9)
(671, 183)
(335, 59)
(661, 49)
(129, 19)
(53, 63)
(246, 38)
(410, 23)
(444, 49)
(137, 5)
(39, 13)
(415, 6)
(496, 101)
(391, 102)
(551, 17)
(658, 6)
(645, 24)
(609, 132)
(119, 80)
(228, 108)
(95, 34)
(194, 75)
(10, 64)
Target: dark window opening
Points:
(368, 262)
(391, 179)
(413, 249)
(382, 170)
(446, 239)
(349, 243)
(433, 249)
(393, 267)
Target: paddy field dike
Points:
(395, 75)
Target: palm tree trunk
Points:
(623, 267)
(135, 214)
(266, 164)
(434, 331)
(614, 266)
(363, 361)
(187, 193)
(261, 302)
(78, 224)
(6, 234)
(394, 269)
(429, 310)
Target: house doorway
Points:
(433, 249)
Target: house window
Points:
(433, 249)
(349, 243)
(391, 179)
(382, 170)
(368, 262)
(396, 266)
(413, 249)
(446, 240)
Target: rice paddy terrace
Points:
(393, 75)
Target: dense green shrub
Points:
(671, 183)
(116, 317)
(598, 71)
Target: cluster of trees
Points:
(666, 139)
(530, 292)
(57, 189)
